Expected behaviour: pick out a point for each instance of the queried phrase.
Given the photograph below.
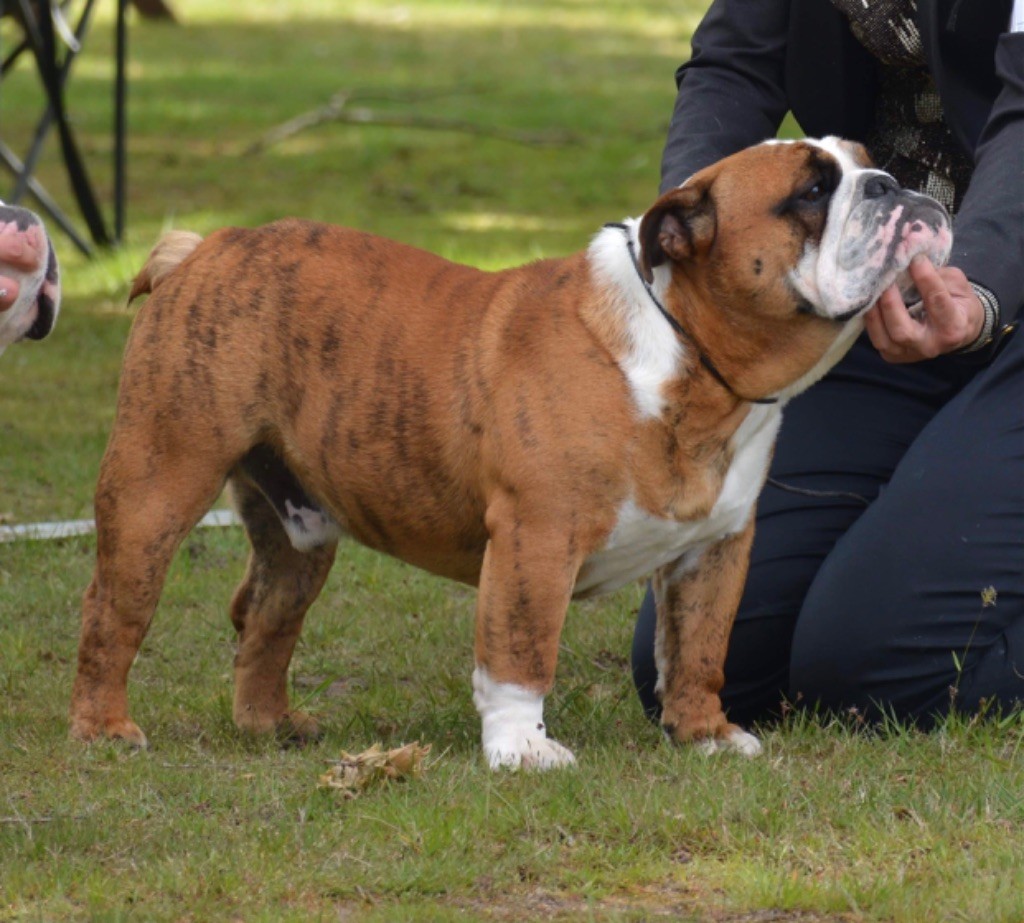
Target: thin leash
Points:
(818, 494)
(720, 378)
(679, 328)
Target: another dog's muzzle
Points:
(33, 314)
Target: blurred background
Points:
(490, 132)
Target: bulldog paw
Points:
(298, 728)
(733, 739)
(289, 727)
(519, 751)
(89, 730)
(514, 734)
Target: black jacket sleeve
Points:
(988, 238)
(734, 92)
(731, 91)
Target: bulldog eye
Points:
(810, 198)
(815, 194)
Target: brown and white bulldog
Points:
(546, 432)
(29, 277)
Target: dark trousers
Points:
(907, 603)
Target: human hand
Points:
(952, 316)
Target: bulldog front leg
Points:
(696, 600)
(525, 586)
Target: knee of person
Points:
(840, 641)
(856, 653)
(828, 681)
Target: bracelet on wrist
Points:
(991, 321)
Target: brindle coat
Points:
(478, 425)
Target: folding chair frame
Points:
(40, 40)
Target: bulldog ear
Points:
(679, 226)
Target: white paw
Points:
(736, 741)
(521, 752)
(514, 735)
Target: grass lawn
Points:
(831, 824)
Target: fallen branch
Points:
(338, 109)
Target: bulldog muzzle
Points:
(29, 277)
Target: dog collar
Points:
(682, 332)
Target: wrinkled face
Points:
(872, 232)
(29, 277)
(796, 228)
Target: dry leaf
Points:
(352, 775)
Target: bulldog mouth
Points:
(937, 252)
(904, 284)
(851, 314)
(878, 240)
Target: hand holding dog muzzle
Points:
(951, 316)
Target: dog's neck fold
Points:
(649, 338)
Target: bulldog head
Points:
(780, 249)
(29, 277)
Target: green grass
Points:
(209, 824)
(831, 824)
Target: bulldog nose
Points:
(879, 185)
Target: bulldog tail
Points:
(169, 251)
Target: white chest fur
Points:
(654, 352)
(641, 542)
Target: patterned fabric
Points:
(910, 138)
(886, 28)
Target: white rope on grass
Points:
(47, 531)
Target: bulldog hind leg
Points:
(142, 514)
(280, 584)
(306, 523)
